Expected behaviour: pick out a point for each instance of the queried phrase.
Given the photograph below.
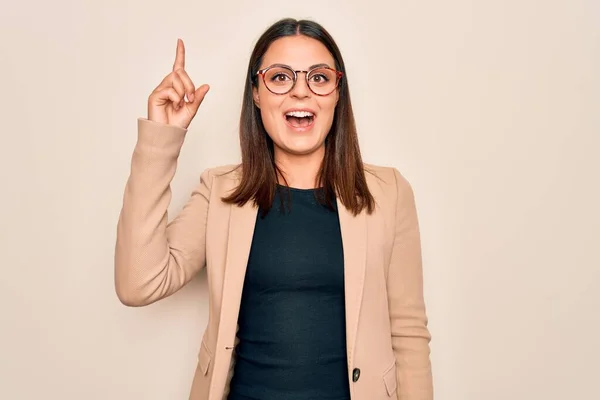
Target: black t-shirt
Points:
(292, 321)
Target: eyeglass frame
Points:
(338, 74)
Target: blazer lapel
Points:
(354, 240)
(241, 230)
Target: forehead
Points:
(299, 52)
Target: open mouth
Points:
(300, 119)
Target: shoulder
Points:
(386, 181)
(221, 177)
(228, 171)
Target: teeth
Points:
(299, 114)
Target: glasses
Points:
(281, 79)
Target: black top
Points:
(292, 321)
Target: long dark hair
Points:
(341, 173)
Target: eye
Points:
(280, 77)
(319, 78)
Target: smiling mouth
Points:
(299, 122)
(299, 119)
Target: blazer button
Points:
(355, 374)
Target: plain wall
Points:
(491, 109)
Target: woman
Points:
(313, 258)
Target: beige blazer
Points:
(387, 335)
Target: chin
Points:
(304, 144)
(300, 151)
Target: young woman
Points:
(313, 258)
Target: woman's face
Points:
(296, 136)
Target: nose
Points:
(300, 89)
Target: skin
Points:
(176, 100)
(298, 154)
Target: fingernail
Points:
(191, 97)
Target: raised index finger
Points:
(180, 57)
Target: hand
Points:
(176, 100)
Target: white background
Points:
(491, 109)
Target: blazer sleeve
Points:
(154, 258)
(410, 335)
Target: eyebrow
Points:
(319, 65)
(309, 68)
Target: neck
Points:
(300, 171)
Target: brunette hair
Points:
(342, 171)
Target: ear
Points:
(256, 97)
